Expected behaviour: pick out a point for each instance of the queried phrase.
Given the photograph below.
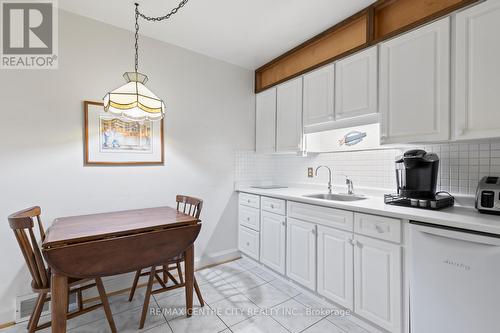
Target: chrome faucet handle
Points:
(350, 185)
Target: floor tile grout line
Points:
(322, 318)
(158, 305)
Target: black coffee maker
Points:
(416, 174)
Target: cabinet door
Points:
(289, 116)
(356, 85)
(318, 95)
(414, 85)
(335, 266)
(377, 282)
(272, 241)
(301, 252)
(477, 72)
(265, 121)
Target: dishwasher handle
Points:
(457, 234)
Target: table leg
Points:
(59, 296)
(188, 278)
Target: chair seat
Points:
(72, 281)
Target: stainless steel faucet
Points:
(329, 177)
(350, 185)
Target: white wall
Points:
(210, 114)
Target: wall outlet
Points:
(310, 173)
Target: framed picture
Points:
(110, 140)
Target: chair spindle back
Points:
(22, 224)
(189, 205)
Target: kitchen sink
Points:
(336, 197)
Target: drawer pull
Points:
(272, 206)
(283, 223)
(248, 200)
(248, 243)
(248, 218)
(379, 228)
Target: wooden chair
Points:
(22, 224)
(187, 205)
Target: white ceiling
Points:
(247, 33)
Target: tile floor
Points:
(241, 296)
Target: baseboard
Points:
(5, 325)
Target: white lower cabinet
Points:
(378, 282)
(352, 259)
(335, 266)
(272, 241)
(249, 242)
(301, 252)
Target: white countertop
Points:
(457, 217)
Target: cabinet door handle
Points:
(272, 206)
(248, 200)
(248, 218)
(283, 223)
(248, 243)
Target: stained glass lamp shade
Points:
(133, 101)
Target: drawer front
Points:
(250, 200)
(273, 205)
(385, 228)
(330, 217)
(249, 217)
(249, 242)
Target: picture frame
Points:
(110, 140)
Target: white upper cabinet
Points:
(415, 85)
(265, 121)
(378, 282)
(301, 252)
(289, 116)
(272, 241)
(335, 266)
(319, 95)
(477, 72)
(356, 84)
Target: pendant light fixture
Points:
(133, 101)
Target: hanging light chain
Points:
(136, 37)
(149, 18)
(167, 16)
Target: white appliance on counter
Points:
(454, 280)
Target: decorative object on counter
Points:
(416, 179)
(488, 195)
(133, 101)
(117, 141)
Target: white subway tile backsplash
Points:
(461, 166)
